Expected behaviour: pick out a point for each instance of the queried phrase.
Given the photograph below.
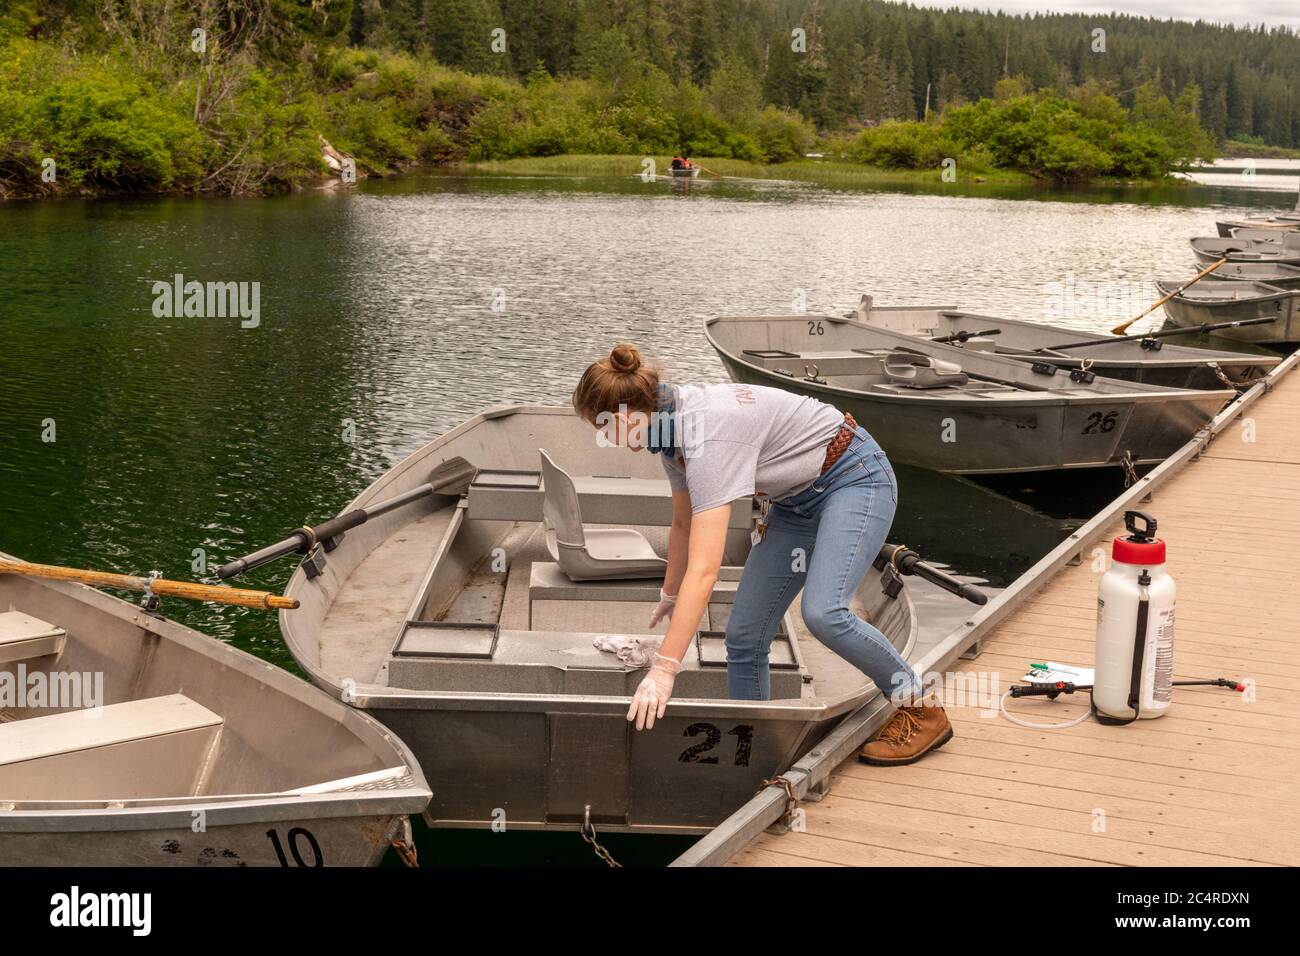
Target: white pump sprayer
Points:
(1134, 667)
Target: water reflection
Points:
(392, 312)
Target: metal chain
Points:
(405, 846)
(1130, 472)
(791, 801)
(1227, 381)
(589, 834)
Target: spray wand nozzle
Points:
(1050, 691)
(1056, 688)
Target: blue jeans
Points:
(822, 539)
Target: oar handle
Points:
(966, 335)
(304, 539)
(295, 542)
(162, 587)
(907, 561)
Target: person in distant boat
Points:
(828, 497)
(679, 163)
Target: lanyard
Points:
(760, 526)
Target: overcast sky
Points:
(1242, 12)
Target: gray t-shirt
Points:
(738, 440)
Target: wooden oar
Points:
(1203, 329)
(1121, 329)
(159, 586)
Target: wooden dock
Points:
(1215, 782)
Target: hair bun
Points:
(625, 359)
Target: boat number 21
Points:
(744, 734)
(1100, 423)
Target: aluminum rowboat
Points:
(1009, 417)
(1132, 360)
(1213, 300)
(197, 754)
(447, 620)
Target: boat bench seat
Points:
(23, 637)
(547, 582)
(153, 747)
(517, 496)
(822, 364)
(568, 663)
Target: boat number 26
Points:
(1097, 422)
(744, 734)
(815, 327)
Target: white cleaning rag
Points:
(632, 651)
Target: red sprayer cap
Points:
(1128, 551)
(1139, 546)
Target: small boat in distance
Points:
(1286, 252)
(957, 410)
(187, 730)
(1138, 359)
(1282, 222)
(683, 168)
(1258, 234)
(1215, 300)
(1280, 276)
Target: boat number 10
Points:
(299, 839)
(1097, 422)
(744, 734)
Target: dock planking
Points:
(1212, 783)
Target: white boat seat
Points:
(546, 582)
(153, 747)
(590, 554)
(23, 637)
(517, 496)
(922, 371)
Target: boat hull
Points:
(541, 768)
(1278, 276)
(290, 777)
(1187, 312)
(997, 432)
(266, 841)
(1210, 251)
(531, 761)
(1008, 439)
(1279, 224)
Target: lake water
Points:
(390, 313)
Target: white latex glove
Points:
(664, 609)
(651, 698)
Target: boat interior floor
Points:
(532, 616)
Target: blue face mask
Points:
(661, 437)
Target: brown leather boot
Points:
(908, 735)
